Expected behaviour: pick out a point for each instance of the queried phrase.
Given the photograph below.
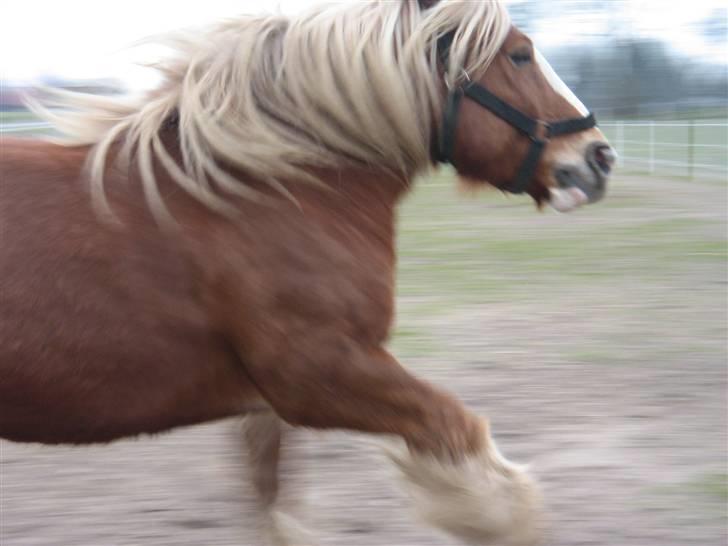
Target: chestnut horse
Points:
(225, 245)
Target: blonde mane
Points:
(273, 96)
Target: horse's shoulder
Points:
(307, 270)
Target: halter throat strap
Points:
(539, 132)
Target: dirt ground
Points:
(601, 364)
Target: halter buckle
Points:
(542, 131)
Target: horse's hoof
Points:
(482, 500)
(285, 530)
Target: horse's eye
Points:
(521, 58)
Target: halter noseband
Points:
(539, 132)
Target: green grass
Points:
(460, 253)
(709, 486)
(640, 265)
(413, 342)
(459, 246)
(15, 117)
(712, 485)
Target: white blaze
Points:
(558, 84)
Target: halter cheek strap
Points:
(539, 132)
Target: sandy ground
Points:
(616, 395)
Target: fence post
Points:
(620, 143)
(652, 147)
(691, 148)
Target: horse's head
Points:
(521, 129)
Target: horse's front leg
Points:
(269, 444)
(458, 479)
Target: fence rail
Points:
(695, 149)
(24, 126)
(685, 148)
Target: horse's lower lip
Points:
(566, 199)
(587, 177)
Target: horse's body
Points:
(236, 253)
(103, 332)
(109, 332)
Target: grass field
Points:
(496, 248)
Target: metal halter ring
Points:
(464, 72)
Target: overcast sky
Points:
(82, 38)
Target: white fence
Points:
(24, 127)
(693, 149)
(681, 148)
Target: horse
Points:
(224, 244)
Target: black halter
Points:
(539, 132)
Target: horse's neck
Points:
(363, 200)
(364, 184)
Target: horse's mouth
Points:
(567, 199)
(585, 181)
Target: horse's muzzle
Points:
(584, 182)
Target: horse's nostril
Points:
(567, 177)
(604, 156)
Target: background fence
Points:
(693, 149)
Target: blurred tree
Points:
(526, 14)
(616, 70)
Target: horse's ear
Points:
(426, 4)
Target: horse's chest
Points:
(355, 291)
(339, 277)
